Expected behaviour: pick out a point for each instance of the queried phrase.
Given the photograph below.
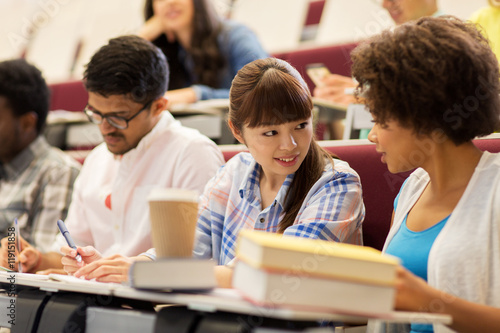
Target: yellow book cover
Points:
(299, 255)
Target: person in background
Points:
(402, 11)
(433, 86)
(143, 148)
(204, 52)
(334, 86)
(286, 184)
(36, 180)
(488, 19)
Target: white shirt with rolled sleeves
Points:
(169, 156)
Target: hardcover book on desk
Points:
(173, 274)
(287, 271)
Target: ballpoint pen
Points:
(69, 240)
(18, 243)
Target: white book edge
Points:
(180, 279)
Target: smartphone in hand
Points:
(317, 72)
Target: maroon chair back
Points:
(380, 187)
(314, 12)
(491, 145)
(336, 57)
(69, 96)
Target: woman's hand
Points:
(180, 96)
(224, 276)
(413, 293)
(153, 28)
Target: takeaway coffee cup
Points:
(173, 214)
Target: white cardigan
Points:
(465, 258)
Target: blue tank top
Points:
(413, 248)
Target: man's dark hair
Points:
(128, 65)
(431, 74)
(25, 89)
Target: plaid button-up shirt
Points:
(332, 210)
(36, 187)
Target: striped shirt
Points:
(332, 210)
(36, 187)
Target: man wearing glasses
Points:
(144, 147)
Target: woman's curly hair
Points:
(431, 74)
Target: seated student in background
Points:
(488, 19)
(401, 11)
(144, 147)
(204, 52)
(36, 180)
(432, 86)
(287, 183)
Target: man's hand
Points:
(29, 258)
(114, 268)
(52, 271)
(70, 265)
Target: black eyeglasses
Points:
(115, 121)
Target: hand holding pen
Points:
(27, 257)
(18, 245)
(69, 240)
(75, 257)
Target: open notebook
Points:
(56, 282)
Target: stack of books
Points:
(284, 271)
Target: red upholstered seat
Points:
(380, 187)
(69, 96)
(314, 12)
(336, 57)
(491, 145)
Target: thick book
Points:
(287, 289)
(316, 257)
(173, 274)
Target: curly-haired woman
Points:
(432, 86)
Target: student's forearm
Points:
(141, 258)
(468, 316)
(414, 294)
(48, 260)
